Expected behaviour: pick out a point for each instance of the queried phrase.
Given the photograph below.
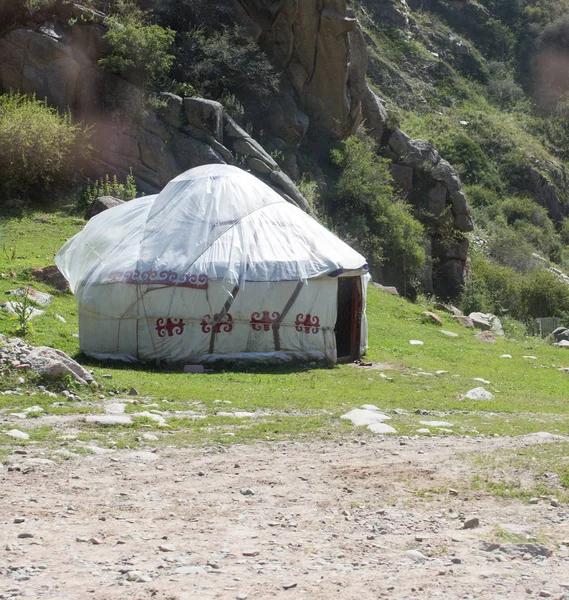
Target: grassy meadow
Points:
(531, 394)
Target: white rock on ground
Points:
(17, 434)
(480, 380)
(479, 393)
(448, 333)
(115, 408)
(416, 342)
(13, 308)
(54, 363)
(381, 428)
(506, 356)
(372, 418)
(360, 417)
(108, 419)
(436, 423)
(157, 418)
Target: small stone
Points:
(20, 520)
(190, 571)
(545, 594)
(133, 392)
(471, 523)
(201, 473)
(82, 540)
(250, 553)
(149, 437)
(17, 434)
(449, 333)
(241, 597)
(25, 535)
(108, 420)
(453, 492)
(289, 586)
(167, 548)
(479, 393)
(506, 356)
(415, 555)
(416, 342)
(95, 541)
(554, 502)
(431, 317)
(533, 501)
(456, 561)
(138, 576)
(247, 492)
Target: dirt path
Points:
(283, 520)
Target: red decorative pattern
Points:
(264, 322)
(170, 327)
(220, 326)
(309, 323)
(169, 278)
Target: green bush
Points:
(222, 63)
(510, 249)
(40, 149)
(107, 186)
(184, 15)
(492, 288)
(502, 88)
(368, 213)
(138, 52)
(544, 295)
(502, 290)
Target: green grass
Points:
(302, 402)
(540, 471)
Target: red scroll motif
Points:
(263, 323)
(168, 278)
(170, 327)
(309, 323)
(220, 326)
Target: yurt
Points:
(218, 265)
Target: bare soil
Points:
(274, 520)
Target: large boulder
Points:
(53, 363)
(100, 204)
(51, 275)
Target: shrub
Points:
(502, 88)
(183, 15)
(224, 63)
(39, 148)
(367, 211)
(544, 295)
(510, 249)
(138, 52)
(108, 186)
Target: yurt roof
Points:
(209, 223)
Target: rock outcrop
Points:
(322, 48)
(59, 61)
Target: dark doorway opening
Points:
(348, 322)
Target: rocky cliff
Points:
(320, 46)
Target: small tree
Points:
(39, 148)
(369, 213)
(139, 52)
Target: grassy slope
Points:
(531, 394)
(302, 403)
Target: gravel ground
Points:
(351, 520)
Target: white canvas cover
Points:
(216, 264)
